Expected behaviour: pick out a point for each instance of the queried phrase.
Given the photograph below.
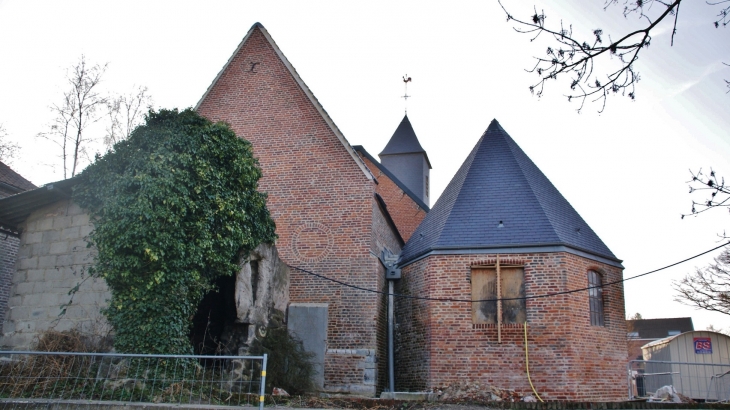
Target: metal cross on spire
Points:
(405, 96)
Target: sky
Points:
(625, 170)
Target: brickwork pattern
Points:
(8, 255)
(53, 258)
(406, 214)
(320, 198)
(569, 358)
(384, 237)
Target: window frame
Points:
(596, 303)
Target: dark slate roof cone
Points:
(404, 141)
(407, 160)
(498, 201)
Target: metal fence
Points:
(32, 379)
(698, 381)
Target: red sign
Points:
(703, 345)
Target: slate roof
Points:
(360, 149)
(498, 183)
(14, 180)
(659, 328)
(404, 141)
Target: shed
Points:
(695, 363)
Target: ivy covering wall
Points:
(173, 207)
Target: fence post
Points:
(263, 383)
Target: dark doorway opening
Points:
(215, 312)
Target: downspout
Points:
(391, 346)
(392, 273)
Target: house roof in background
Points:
(659, 328)
(14, 181)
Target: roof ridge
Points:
(300, 82)
(529, 182)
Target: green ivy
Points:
(173, 208)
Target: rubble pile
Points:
(669, 394)
(466, 391)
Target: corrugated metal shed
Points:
(694, 381)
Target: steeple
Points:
(500, 201)
(407, 160)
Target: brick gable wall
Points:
(321, 200)
(569, 358)
(406, 214)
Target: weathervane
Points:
(405, 96)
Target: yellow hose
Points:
(527, 366)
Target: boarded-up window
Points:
(595, 297)
(484, 287)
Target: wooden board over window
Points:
(484, 287)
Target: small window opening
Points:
(595, 298)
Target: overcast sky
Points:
(624, 170)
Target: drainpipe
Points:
(391, 347)
(392, 273)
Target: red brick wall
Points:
(569, 358)
(406, 214)
(321, 200)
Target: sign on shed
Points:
(703, 345)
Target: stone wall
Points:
(569, 358)
(53, 258)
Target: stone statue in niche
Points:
(261, 297)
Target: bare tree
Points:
(707, 288)
(600, 66)
(8, 149)
(78, 110)
(636, 316)
(125, 113)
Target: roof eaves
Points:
(301, 84)
(381, 168)
(15, 209)
(510, 248)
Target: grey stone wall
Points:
(53, 258)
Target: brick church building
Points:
(500, 230)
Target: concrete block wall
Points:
(569, 358)
(53, 258)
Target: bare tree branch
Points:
(77, 111)
(125, 113)
(708, 288)
(8, 149)
(716, 191)
(592, 76)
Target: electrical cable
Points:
(546, 295)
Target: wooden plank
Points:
(484, 286)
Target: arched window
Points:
(595, 297)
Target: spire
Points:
(500, 200)
(408, 161)
(404, 141)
